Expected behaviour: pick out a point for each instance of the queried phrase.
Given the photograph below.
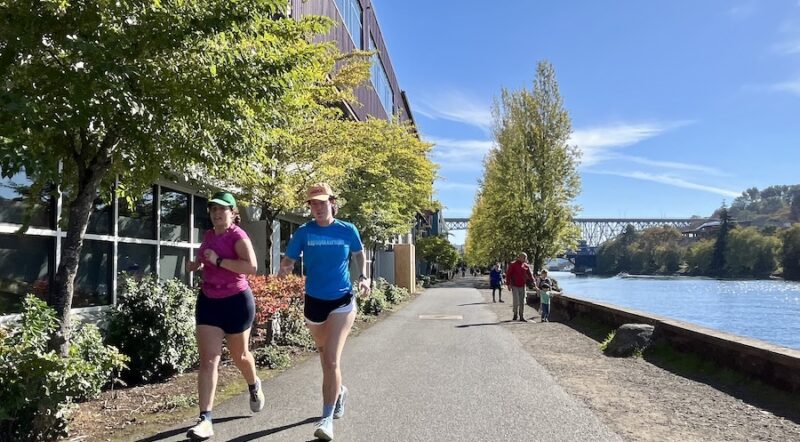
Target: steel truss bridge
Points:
(596, 231)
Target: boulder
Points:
(629, 338)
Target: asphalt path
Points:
(440, 369)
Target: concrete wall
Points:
(768, 363)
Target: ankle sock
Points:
(205, 415)
(327, 410)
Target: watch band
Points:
(219, 261)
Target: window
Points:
(174, 215)
(351, 12)
(24, 266)
(15, 194)
(138, 222)
(93, 281)
(136, 260)
(172, 263)
(380, 81)
(202, 221)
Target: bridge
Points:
(596, 231)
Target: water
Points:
(765, 310)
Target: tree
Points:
(437, 250)
(717, 264)
(790, 253)
(530, 178)
(750, 253)
(698, 257)
(95, 91)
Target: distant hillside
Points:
(775, 206)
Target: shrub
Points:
(153, 323)
(39, 387)
(272, 357)
(395, 294)
(293, 328)
(275, 294)
(374, 304)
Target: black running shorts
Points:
(317, 310)
(233, 314)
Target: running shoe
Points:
(324, 428)
(338, 411)
(257, 399)
(201, 431)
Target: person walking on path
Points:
(225, 307)
(326, 245)
(496, 281)
(517, 276)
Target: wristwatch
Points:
(361, 277)
(219, 261)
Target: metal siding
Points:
(366, 95)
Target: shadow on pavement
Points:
(473, 303)
(258, 434)
(170, 433)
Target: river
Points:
(765, 310)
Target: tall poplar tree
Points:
(530, 178)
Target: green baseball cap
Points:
(223, 199)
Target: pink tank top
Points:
(219, 282)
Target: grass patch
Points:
(607, 340)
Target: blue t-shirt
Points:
(326, 256)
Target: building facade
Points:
(166, 226)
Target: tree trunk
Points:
(372, 263)
(89, 177)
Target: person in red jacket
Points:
(517, 275)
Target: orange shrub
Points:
(273, 294)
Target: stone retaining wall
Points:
(768, 363)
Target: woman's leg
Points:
(330, 337)
(209, 345)
(242, 358)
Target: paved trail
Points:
(434, 371)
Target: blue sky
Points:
(676, 105)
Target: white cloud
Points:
(788, 86)
(671, 181)
(671, 165)
(459, 154)
(595, 143)
(458, 107)
(443, 185)
(789, 47)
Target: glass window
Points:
(202, 221)
(99, 219)
(136, 259)
(14, 198)
(172, 263)
(139, 222)
(24, 264)
(93, 281)
(174, 215)
(380, 81)
(351, 12)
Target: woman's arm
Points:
(287, 265)
(361, 264)
(245, 264)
